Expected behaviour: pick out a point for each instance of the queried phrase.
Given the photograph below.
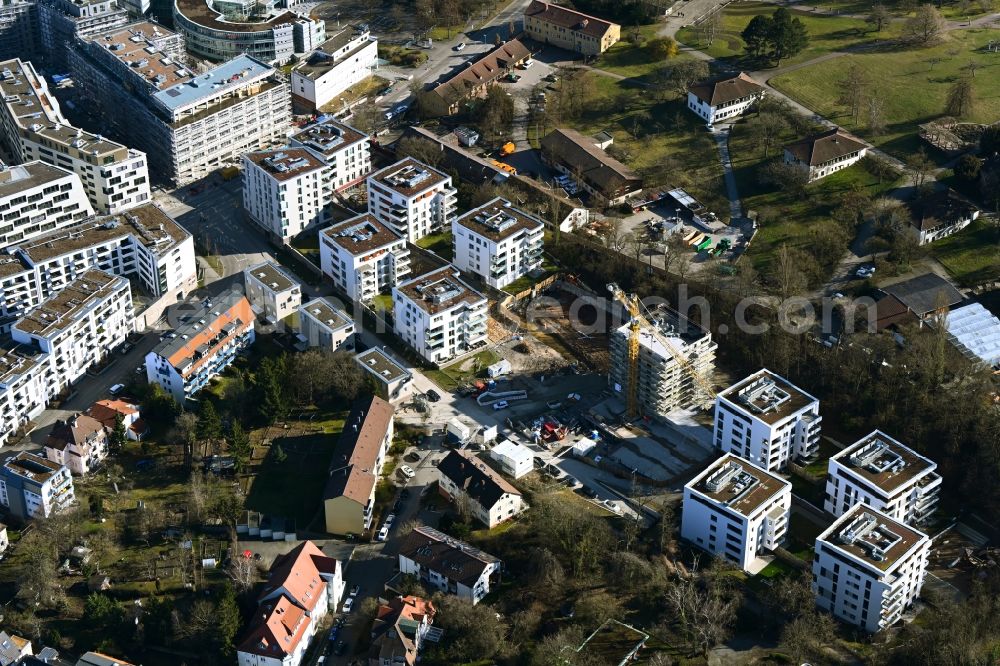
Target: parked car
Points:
(407, 471)
(383, 533)
(116, 389)
(551, 78)
(433, 395)
(354, 590)
(390, 518)
(589, 492)
(348, 605)
(126, 348)
(460, 46)
(503, 404)
(612, 506)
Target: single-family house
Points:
(400, 628)
(940, 215)
(109, 411)
(724, 98)
(490, 498)
(825, 153)
(80, 443)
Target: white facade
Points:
(273, 293)
(323, 326)
(447, 564)
(393, 380)
(345, 151)
(869, 568)
(498, 242)
(880, 472)
(736, 511)
(412, 198)
(22, 390)
(33, 487)
(440, 316)
(363, 257)
(344, 60)
(36, 198)
(468, 481)
(767, 420)
(283, 191)
(143, 244)
(114, 177)
(725, 98)
(514, 460)
(78, 327)
(203, 346)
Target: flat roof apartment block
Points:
(869, 568)
(392, 378)
(33, 487)
(344, 60)
(32, 127)
(498, 242)
(767, 420)
(36, 198)
(439, 315)
(363, 257)
(22, 389)
(882, 473)
(61, 22)
(323, 326)
(412, 198)
(737, 511)
(273, 293)
(664, 384)
(283, 191)
(345, 151)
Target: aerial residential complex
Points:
(737, 511)
(323, 326)
(273, 293)
(663, 383)
(412, 198)
(363, 257)
(724, 98)
(448, 565)
(549, 23)
(275, 39)
(340, 62)
(77, 328)
(283, 191)
(345, 151)
(439, 315)
(33, 487)
(498, 242)
(189, 124)
(825, 153)
(204, 345)
(32, 127)
(60, 22)
(767, 420)
(869, 568)
(143, 244)
(349, 496)
(879, 472)
(36, 198)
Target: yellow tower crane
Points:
(637, 322)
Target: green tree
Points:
(118, 435)
(103, 611)
(967, 168)
(272, 403)
(209, 423)
(495, 113)
(787, 35)
(756, 34)
(159, 406)
(239, 445)
(228, 621)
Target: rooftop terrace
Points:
(883, 461)
(63, 309)
(408, 177)
(440, 290)
(328, 136)
(737, 485)
(499, 220)
(767, 396)
(871, 537)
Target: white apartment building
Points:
(724, 98)
(208, 340)
(189, 124)
(412, 198)
(37, 197)
(347, 58)
(737, 511)
(449, 565)
(498, 242)
(22, 390)
(440, 316)
(323, 326)
(61, 22)
(80, 443)
(273, 293)
(283, 191)
(33, 487)
(345, 151)
(392, 379)
(32, 127)
(869, 568)
(880, 472)
(363, 257)
(143, 244)
(823, 154)
(490, 498)
(767, 420)
(662, 384)
(78, 327)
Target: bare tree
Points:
(879, 17)
(961, 98)
(241, 571)
(853, 90)
(710, 27)
(786, 272)
(921, 167)
(767, 129)
(926, 27)
(876, 112)
(706, 615)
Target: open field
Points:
(826, 33)
(633, 60)
(914, 82)
(972, 256)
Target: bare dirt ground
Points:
(550, 321)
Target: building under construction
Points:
(663, 384)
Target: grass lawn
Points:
(776, 569)
(915, 89)
(972, 256)
(382, 302)
(215, 262)
(656, 136)
(631, 60)
(452, 376)
(811, 491)
(441, 244)
(826, 33)
(527, 282)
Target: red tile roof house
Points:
(108, 411)
(400, 628)
(302, 587)
(80, 442)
